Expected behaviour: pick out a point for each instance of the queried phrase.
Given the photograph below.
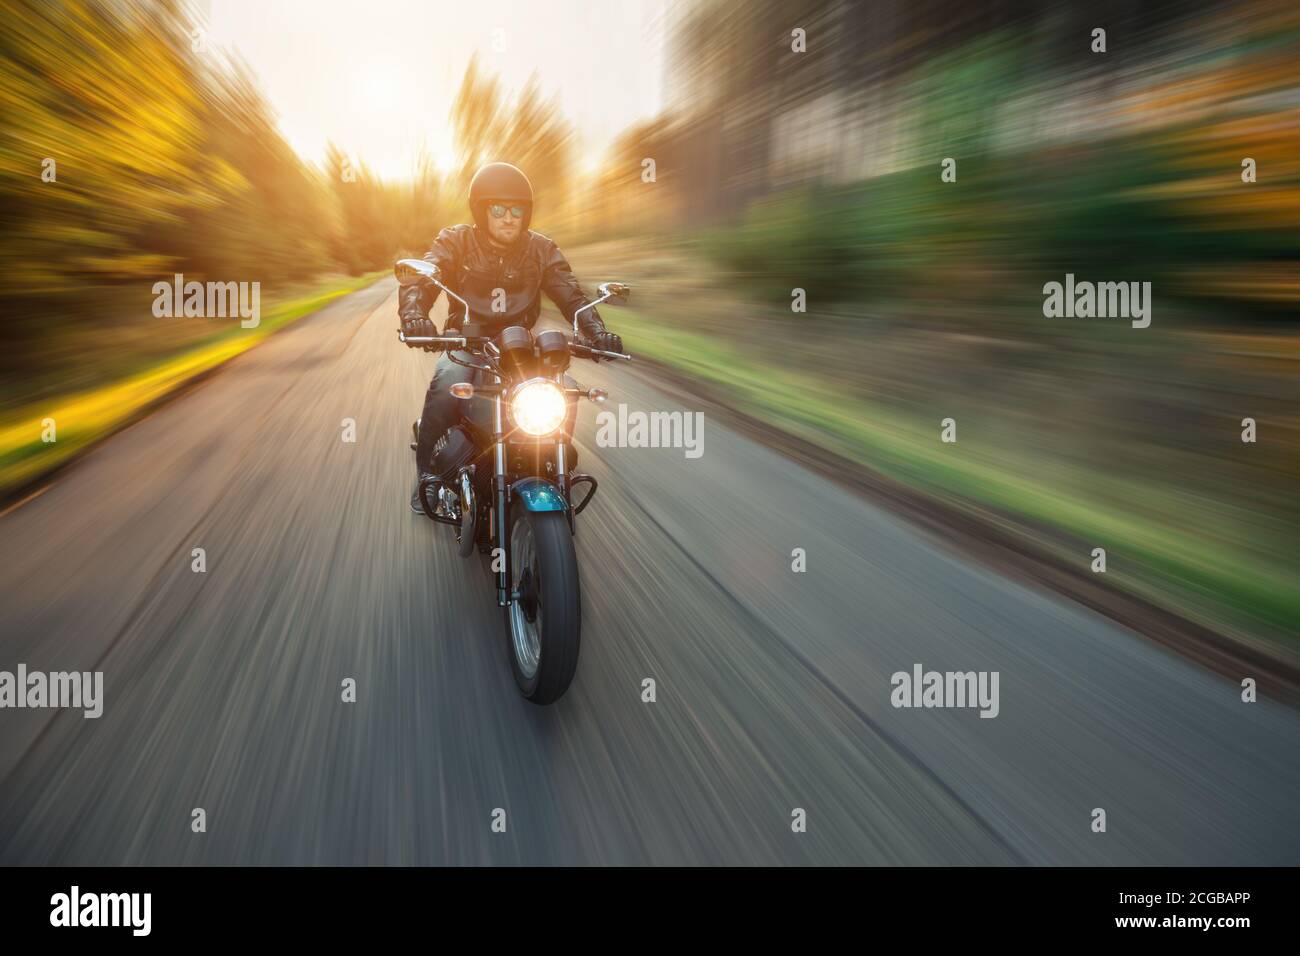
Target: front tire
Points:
(544, 624)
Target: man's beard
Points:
(506, 243)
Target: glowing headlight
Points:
(538, 407)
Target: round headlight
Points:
(538, 407)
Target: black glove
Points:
(420, 327)
(607, 341)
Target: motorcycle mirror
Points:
(616, 292)
(414, 271)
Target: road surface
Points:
(223, 688)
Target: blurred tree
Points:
(529, 132)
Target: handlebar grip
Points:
(432, 339)
(582, 349)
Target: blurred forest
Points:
(129, 153)
(821, 168)
(165, 159)
(816, 169)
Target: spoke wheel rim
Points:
(525, 627)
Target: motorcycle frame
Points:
(503, 481)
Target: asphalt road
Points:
(223, 688)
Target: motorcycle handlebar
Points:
(463, 341)
(588, 352)
(437, 339)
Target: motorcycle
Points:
(506, 486)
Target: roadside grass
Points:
(85, 417)
(1189, 567)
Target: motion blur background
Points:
(306, 146)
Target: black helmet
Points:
(499, 181)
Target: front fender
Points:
(538, 494)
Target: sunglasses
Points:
(499, 209)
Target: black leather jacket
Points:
(502, 289)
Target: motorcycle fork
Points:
(500, 490)
(562, 476)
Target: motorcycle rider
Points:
(500, 267)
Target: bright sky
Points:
(378, 76)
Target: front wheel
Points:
(544, 620)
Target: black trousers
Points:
(443, 409)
